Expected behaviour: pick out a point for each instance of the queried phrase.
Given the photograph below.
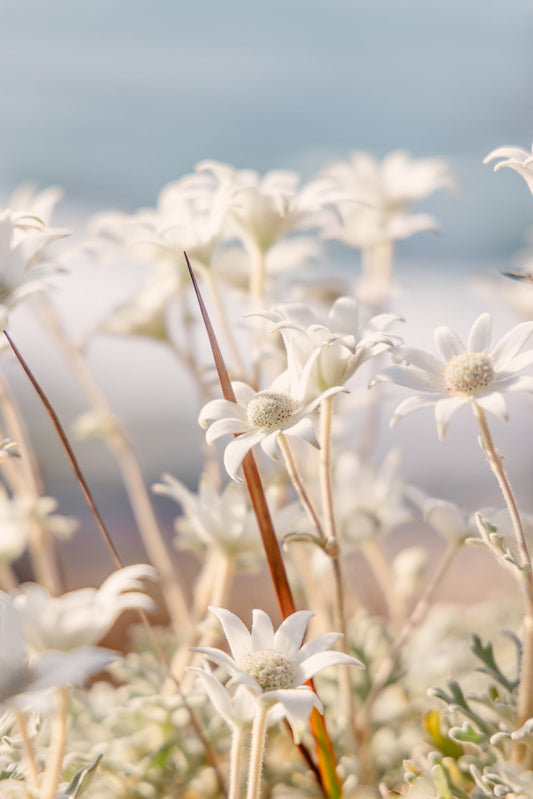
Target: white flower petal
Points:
(517, 383)
(318, 644)
(237, 449)
(411, 377)
(236, 632)
(410, 405)
(421, 360)
(321, 660)
(494, 403)
(510, 344)
(448, 343)
(291, 631)
(243, 392)
(220, 409)
(262, 631)
(224, 427)
(516, 153)
(479, 338)
(219, 657)
(298, 704)
(444, 410)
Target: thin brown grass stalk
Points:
(115, 555)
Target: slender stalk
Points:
(521, 753)
(8, 579)
(132, 477)
(235, 769)
(385, 579)
(326, 484)
(299, 486)
(41, 544)
(28, 748)
(59, 738)
(257, 753)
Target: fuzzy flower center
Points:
(270, 669)
(269, 411)
(468, 372)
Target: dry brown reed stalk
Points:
(210, 754)
(326, 770)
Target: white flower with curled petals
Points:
(274, 665)
(515, 158)
(258, 417)
(464, 375)
(83, 617)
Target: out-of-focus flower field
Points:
(348, 675)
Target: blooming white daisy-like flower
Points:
(79, 618)
(515, 158)
(274, 665)
(463, 375)
(375, 198)
(258, 417)
(344, 343)
(24, 676)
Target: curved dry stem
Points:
(57, 749)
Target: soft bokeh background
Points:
(112, 99)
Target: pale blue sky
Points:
(113, 98)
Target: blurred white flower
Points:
(146, 312)
(371, 500)
(258, 417)
(19, 514)
(515, 158)
(23, 676)
(266, 209)
(80, 618)
(464, 375)
(27, 199)
(22, 239)
(274, 666)
(237, 708)
(343, 343)
(375, 199)
(449, 520)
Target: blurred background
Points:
(112, 99)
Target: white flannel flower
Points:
(22, 239)
(216, 519)
(24, 676)
(274, 665)
(83, 617)
(237, 708)
(258, 417)
(375, 199)
(463, 375)
(266, 209)
(343, 343)
(18, 517)
(515, 158)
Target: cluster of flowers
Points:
(313, 349)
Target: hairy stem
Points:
(257, 753)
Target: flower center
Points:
(468, 372)
(270, 669)
(269, 411)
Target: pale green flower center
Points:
(269, 411)
(468, 372)
(270, 669)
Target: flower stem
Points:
(59, 737)
(297, 482)
(521, 752)
(257, 753)
(235, 763)
(28, 748)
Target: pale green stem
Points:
(297, 482)
(257, 752)
(525, 690)
(41, 544)
(235, 770)
(328, 509)
(28, 748)
(58, 741)
(131, 475)
(376, 278)
(257, 302)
